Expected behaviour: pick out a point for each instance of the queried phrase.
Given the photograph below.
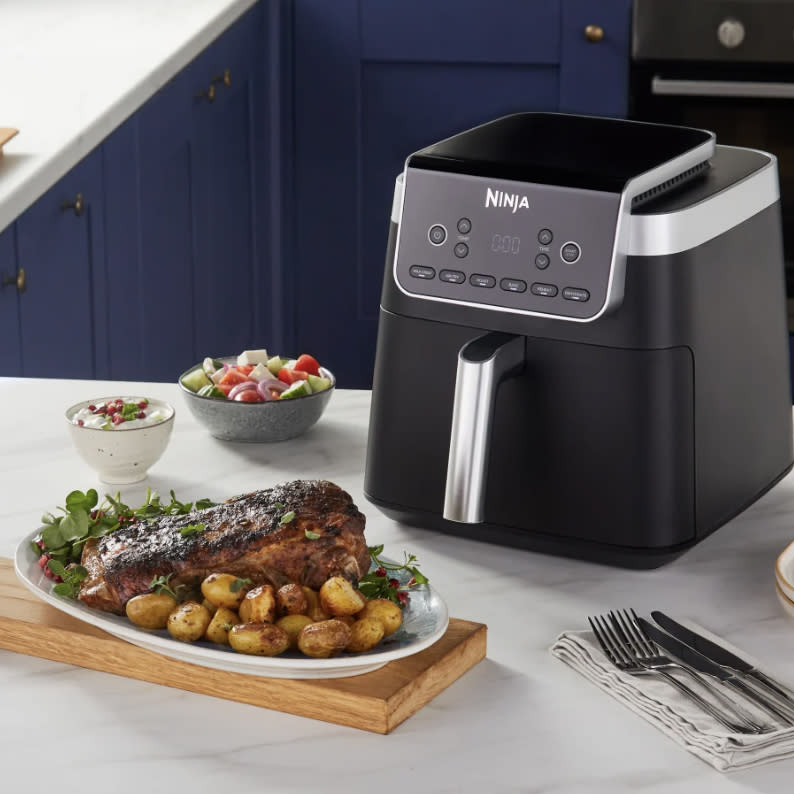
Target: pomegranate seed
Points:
(92, 408)
(117, 419)
(380, 572)
(58, 579)
(80, 422)
(141, 415)
(402, 598)
(411, 581)
(394, 583)
(43, 560)
(40, 543)
(92, 514)
(49, 574)
(142, 404)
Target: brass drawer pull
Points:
(209, 94)
(225, 78)
(78, 205)
(18, 280)
(594, 33)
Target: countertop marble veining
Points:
(520, 721)
(72, 72)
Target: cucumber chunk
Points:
(211, 390)
(300, 388)
(196, 380)
(318, 383)
(275, 364)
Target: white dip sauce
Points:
(98, 419)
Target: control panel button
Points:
(464, 225)
(575, 294)
(570, 252)
(478, 280)
(461, 250)
(437, 234)
(542, 261)
(420, 271)
(545, 236)
(546, 290)
(513, 285)
(452, 276)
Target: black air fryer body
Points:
(617, 402)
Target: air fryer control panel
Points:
(509, 245)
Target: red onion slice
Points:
(244, 386)
(265, 387)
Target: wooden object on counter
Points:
(378, 701)
(6, 134)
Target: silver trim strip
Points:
(482, 364)
(725, 88)
(617, 272)
(672, 232)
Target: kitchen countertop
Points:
(72, 72)
(520, 721)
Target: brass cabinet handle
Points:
(78, 205)
(209, 94)
(18, 280)
(225, 78)
(594, 33)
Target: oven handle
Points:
(726, 88)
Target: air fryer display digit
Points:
(505, 244)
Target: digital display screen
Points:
(505, 244)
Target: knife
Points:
(695, 659)
(722, 656)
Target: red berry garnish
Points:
(92, 514)
(117, 419)
(380, 572)
(402, 598)
(394, 583)
(49, 574)
(80, 422)
(141, 415)
(58, 579)
(92, 408)
(411, 581)
(143, 404)
(40, 543)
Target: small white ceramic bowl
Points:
(787, 604)
(784, 571)
(121, 456)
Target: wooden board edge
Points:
(434, 680)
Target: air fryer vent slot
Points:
(670, 184)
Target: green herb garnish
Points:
(311, 535)
(238, 584)
(160, 585)
(71, 575)
(381, 583)
(192, 529)
(287, 517)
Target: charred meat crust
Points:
(251, 536)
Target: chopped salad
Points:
(257, 377)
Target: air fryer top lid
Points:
(583, 152)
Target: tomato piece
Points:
(233, 377)
(290, 376)
(308, 364)
(226, 387)
(246, 369)
(248, 396)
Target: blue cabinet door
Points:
(10, 354)
(59, 243)
(594, 74)
(185, 214)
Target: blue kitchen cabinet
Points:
(186, 214)
(12, 285)
(52, 258)
(374, 82)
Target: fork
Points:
(617, 653)
(647, 653)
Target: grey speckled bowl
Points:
(278, 420)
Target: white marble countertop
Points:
(72, 72)
(520, 721)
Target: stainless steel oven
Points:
(726, 66)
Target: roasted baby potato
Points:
(151, 610)
(259, 605)
(223, 590)
(324, 639)
(365, 634)
(290, 600)
(339, 597)
(314, 610)
(188, 621)
(220, 625)
(209, 606)
(387, 612)
(293, 624)
(261, 639)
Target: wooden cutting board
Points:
(6, 134)
(377, 701)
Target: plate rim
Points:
(264, 666)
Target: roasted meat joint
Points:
(304, 531)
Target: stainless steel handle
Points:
(482, 364)
(756, 698)
(772, 686)
(726, 88)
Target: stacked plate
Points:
(784, 578)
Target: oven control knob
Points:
(730, 33)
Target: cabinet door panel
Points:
(357, 117)
(10, 361)
(594, 75)
(55, 247)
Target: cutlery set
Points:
(670, 651)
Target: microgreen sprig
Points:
(160, 585)
(381, 583)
